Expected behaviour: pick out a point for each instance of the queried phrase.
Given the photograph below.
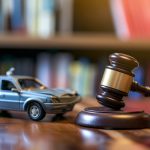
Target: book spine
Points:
(137, 16)
(82, 77)
(17, 16)
(65, 21)
(62, 63)
(1, 17)
(131, 18)
(75, 77)
(7, 8)
(119, 19)
(31, 16)
(46, 18)
(44, 69)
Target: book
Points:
(17, 19)
(131, 18)
(31, 16)
(82, 76)
(88, 75)
(40, 17)
(65, 16)
(46, 18)
(7, 7)
(61, 64)
(1, 18)
(75, 76)
(44, 69)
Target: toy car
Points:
(24, 93)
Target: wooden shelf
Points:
(75, 41)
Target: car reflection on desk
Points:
(23, 93)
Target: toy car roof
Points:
(15, 77)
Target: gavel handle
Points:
(145, 90)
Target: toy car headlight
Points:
(48, 100)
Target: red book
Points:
(132, 17)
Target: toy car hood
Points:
(56, 92)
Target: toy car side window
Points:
(7, 85)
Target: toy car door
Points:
(8, 99)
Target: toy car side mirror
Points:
(15, 90)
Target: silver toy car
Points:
(23, 93)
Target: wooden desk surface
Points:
(17, 132)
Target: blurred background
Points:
(66, 43)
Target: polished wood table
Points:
(17, 132)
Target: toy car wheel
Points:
(35, 111)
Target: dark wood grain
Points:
(17, 132)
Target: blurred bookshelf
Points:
(66, 43)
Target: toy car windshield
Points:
(30, 84)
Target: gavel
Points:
(117, 81)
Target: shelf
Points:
(75, 41)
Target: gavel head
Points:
(117, 80)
